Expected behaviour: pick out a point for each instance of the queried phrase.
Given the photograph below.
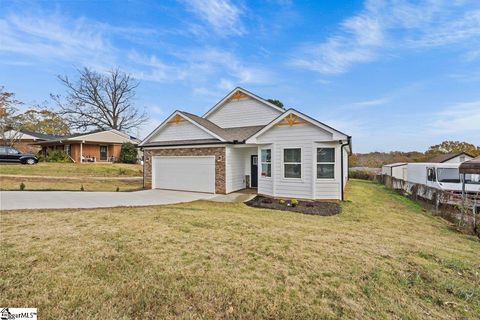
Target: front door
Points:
(254, 171)
(103, 153)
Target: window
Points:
(325, 163)
(448, 175)
(68, 149)
(266, 161)
(12, 151)
(431, 174)
(292, 163)
(3, 150)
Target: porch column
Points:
(81, 152)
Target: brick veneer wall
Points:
(218, 152)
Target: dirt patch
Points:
(306, 207)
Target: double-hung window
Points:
(292, 163)
(266, 162)
(325, 163)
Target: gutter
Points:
(349, 142)
(188, 145)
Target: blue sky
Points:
(396, 75)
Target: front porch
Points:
(86, 152)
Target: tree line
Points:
(378, 159)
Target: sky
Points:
(395, 75)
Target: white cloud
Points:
(222, 15)
(458, 118)
(391, 25)
(371, 103)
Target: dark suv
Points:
(9, 154)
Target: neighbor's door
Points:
(103, 153)
(254, 171)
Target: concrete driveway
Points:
(12, 200)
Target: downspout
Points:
(143, 163)
(349, 140)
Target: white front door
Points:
(184, 173)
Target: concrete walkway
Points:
(13, 200)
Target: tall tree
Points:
(9, 124)
(453, 147)
(43, 121)
(100, 101)
(276, 102)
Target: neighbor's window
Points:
(325, 163)
(68, 150)
(472, 178)
(266, 161)
(431, 174)
(292, 163)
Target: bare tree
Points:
(100, 101)
(10, 125)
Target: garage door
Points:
(184, 173)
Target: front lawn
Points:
(73, 169)
(381, 258)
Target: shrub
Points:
(22, 186)
(58, 156)
(118, 189)
(362, 174)
(294, 202)
(281, 201)
(128, 153)
(82, 188)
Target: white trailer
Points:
(442, 176)
(397, 170)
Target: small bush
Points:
(22, 186)
(82, 188)
(57, 156)
(294, 202)
(281, 201)
(118, 189)
(128, 153)
(362, 174)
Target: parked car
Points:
(12, 155)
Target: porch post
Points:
(81, 152)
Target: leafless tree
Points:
(10, 125)
(100, 101)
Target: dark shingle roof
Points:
(41, 136)
(447, 156)
(228, 134)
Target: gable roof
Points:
(337, 135)
(219, 104)
(27, 135)
(447, 156)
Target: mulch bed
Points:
(306, 207)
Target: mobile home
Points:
(396, 170)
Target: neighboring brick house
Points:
(96, 146)
(245, 141)
(26, 140)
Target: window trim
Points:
(334, 163)
(301, 164)
(265, 162)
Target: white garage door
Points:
(184, 173)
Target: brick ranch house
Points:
(244, 141)
(96, 146)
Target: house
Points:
(95, 146)
(24, 140)
(397, 170)
(244, 141)
(458, 157)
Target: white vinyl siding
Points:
(304, 136)
(243, 113)
(184, 173)
(238, 166)
(184, 130)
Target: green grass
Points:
(381, 258)
(73, 169)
